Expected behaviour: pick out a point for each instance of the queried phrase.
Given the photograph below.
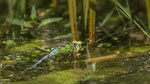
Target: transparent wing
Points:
(53, 33)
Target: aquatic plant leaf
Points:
(19, 22)
(94, 66)
(49, 20)
(33, 13)
(124, 11)
(141, 28)
(143, 25)
(63, 36)
(128, 7)
(10, 43)
(107, 17)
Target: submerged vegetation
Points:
(107, 41)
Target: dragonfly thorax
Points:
(77, 45)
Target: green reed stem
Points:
(92, 21)
(72, 14)
(55, 6)
(85, 9)
(148, 11)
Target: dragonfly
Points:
(68, 48)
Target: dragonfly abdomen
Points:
(55, 51)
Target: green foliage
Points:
(48, 20)
(63, 36)
(9, 43)
(33, 22)
(94, 66)
(126, 12)
(142, 24)
(19, 22)
(33, 13)
(17, 9)
(22, 22)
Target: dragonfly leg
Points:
(71, 57)
(63, 59)
(75, 56)
(56, 56)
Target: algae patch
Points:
(141, 49)
(27, 47)
(61, 77)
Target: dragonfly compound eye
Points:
(77, 46)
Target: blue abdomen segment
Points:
(53, 52)
(45, 57)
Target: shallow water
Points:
(121, 67)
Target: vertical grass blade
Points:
(90, 53)
(10, 7)
(120, 16)
(124, 11)
(85, 9)
(148, 11)
(128, 9)
(21, 7)
(72, 14)
(92, 14)
(93, 55)
(142, 24)
(107, 17)
(146, 33)
(1, 67)
(136, 21)
(55, 6)
(33, 13)
(92, 21)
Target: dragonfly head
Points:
(77, 45)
